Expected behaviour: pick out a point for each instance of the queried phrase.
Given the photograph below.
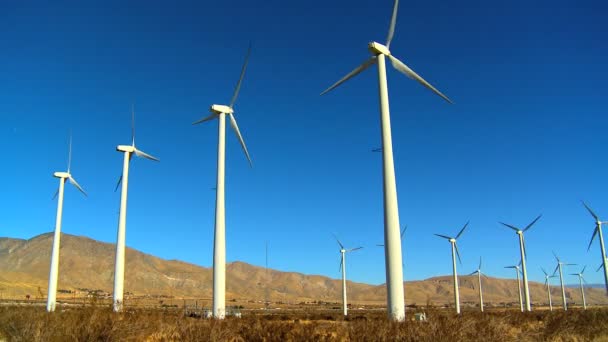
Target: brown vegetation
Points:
(100, 324)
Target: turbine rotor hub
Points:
(378, 49)
(452, 240)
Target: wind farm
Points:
(511, 141)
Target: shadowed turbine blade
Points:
(570, 264)
(592, 237)
(462, 230)
(339, 243)
(397, 64)
(380, 245)
(354, 249)
(340, 267)
(599, 268)
(457, 253)
(472, 273)
(479, 268)
(75, 183)
(391, 28)
(545, 272)
(590, 211)
(55, 195)
(510, 266)
(351, 74)
(584, 267)
(238, 85)
(403, 231)
(443, 236)
(555, 255)
(143, 154)
(523, 242)
(235, 127)
(509, 226)
(206, 118)
(532, 223)
(118, 183)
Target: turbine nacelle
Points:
(378, 49)
(221, 109)
(125, 148)
(61, 175)
(452, 240)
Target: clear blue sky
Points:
(527, 133)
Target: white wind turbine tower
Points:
(559, 267)
(522, 251)
(517, 270)
(454, 254)
(392, 243)
(119, 272)
(580, 281)
(54, 270)
(598, 231)
(547, 277)
(479, 274)
(343, 252)
(219, 240)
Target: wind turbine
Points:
(559, 266)
(394, 272)
(522, 251)
(219, 239)
(598, 231)
(479, 274)
(119, 272)
(454, 254)
(54, 271)
(547, 277)
(517, 268)
(343, 252)
(580, 281)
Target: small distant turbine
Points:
(54, 271)
(220, 112)
(455, 253)
(479, 274)
(522, 251)
(392, 249)
(598, 231)
(517, 270)
(547, 277)
(580, 281)
(119, 272)
(559, 267)
(343, 252)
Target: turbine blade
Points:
(391, 29)
(584, 267)
(206, 118)
(462, 230)
(55, 195)
(404, 227)
(143, 154)
(235, 127)
(457, 253)
(523, 242)
(354, 249)
(555, 270)
(75, 183)
(133, 124)
(592, 237)
(600, 267)
(238, 85)
(590, 211)
(510, 266)
(555, 255)
(570, 264)
(339, 243)
(470, 274)
(533, 222)
(351, 74)
(545, 272)
(479, 268)
(443, 236)
(380, 245)
(70, 153)
(397, 64)
(340, 267)
(118, 183)
(509, 226)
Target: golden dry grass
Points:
(19, 323)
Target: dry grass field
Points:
(27, 323)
